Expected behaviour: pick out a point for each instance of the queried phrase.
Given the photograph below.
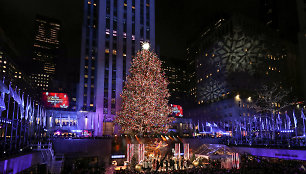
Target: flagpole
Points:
(295, 123)
(304, 125)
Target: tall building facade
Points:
(232, 60)
(45, 51)
(176, 75)
(9, 70)
(112, 33)
(301, 8)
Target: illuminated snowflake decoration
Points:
(212, 90)
(238, 52)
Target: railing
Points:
(42, 148)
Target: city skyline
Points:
(175, 27)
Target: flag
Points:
(37, 114)
(27, 108)
(302, 115)
(279, 122)
(208, 124)
(288, 120)
(21, 106)
(294, 119)
(45, 119)
(215, 125)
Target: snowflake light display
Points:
(238, 52)
(212, 90)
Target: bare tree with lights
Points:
(145, 95)
(272, 99)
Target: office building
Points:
(45, 50)
(176, 76)
(301, 6)
(232, 59)
(112, 33)
(23, 118)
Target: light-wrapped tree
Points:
(273, 98)
(144, 107)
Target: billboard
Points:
(177, 110)
(55, 100)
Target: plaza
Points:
(152, 86)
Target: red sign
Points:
(177, 110)
(55, 100)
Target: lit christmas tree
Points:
(145, 95)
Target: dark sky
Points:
(176, 23)
(17, 20)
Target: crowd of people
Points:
(248, 165)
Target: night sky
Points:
(177, 22)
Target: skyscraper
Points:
(45, 50)
(232, 59)
(113, 31)
(301, 8)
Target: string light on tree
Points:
(145, 95)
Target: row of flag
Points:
(272, 123)
(25, 108)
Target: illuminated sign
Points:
(87, 133)
(177, 110)
(55, 100)
(76, 131)
(118, 156)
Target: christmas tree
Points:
(145, 95)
